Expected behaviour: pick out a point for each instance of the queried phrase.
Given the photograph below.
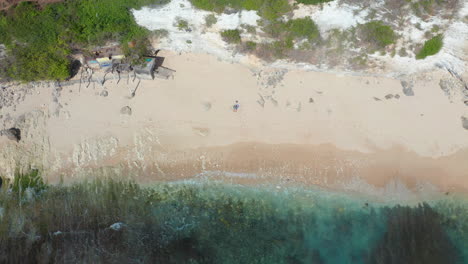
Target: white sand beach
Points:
(294, 127)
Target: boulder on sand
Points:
(12, 133)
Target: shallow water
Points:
(233, 224)
(206, 222)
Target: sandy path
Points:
(177, 125)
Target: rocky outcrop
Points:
(454, 89)
(29, 146)
(407, 88)
(12, 133)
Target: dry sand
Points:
(295, 127)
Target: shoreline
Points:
(295, 123)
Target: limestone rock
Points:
(407, 88)
(464, 122)
(12, 133)
(104, 93)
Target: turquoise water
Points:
(232, 224)
(122, 222)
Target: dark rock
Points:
(464, 122)
(126, 110)
(311, 100)
(104, 93)
(397, 96)
(12, 133)
(377, 99)
(389, 96)
(74, 68)
(407, 88)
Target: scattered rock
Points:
(271, 78)
(389, 96)
(126, 110)
(453, 89)
(117, 226)
(445, 86)
(104, 93)
(407, 88)
(12, 133)
(464, 122)
(261, 101)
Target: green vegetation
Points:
(287, 33)
(313, 2)
(231, 36)
(250, 29)
(431, 47)
(294, 29)
(210, 20)
(303, 28)
(24, 181)
(268, 9)
(40, 40)
(182, 25)
(250, 45)
(377, 34)
(427, 8)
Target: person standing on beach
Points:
(236, 106)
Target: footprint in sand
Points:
(207, 105)
(201, 131)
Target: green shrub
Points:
(274, 9)
(268, 9)
(313, 2)
(182, 24)
(30, 180)
(378, 34)
(210, 20)
(303, 28)
(250, 29)
(231, 36)
(431, 47)
(250, 45)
